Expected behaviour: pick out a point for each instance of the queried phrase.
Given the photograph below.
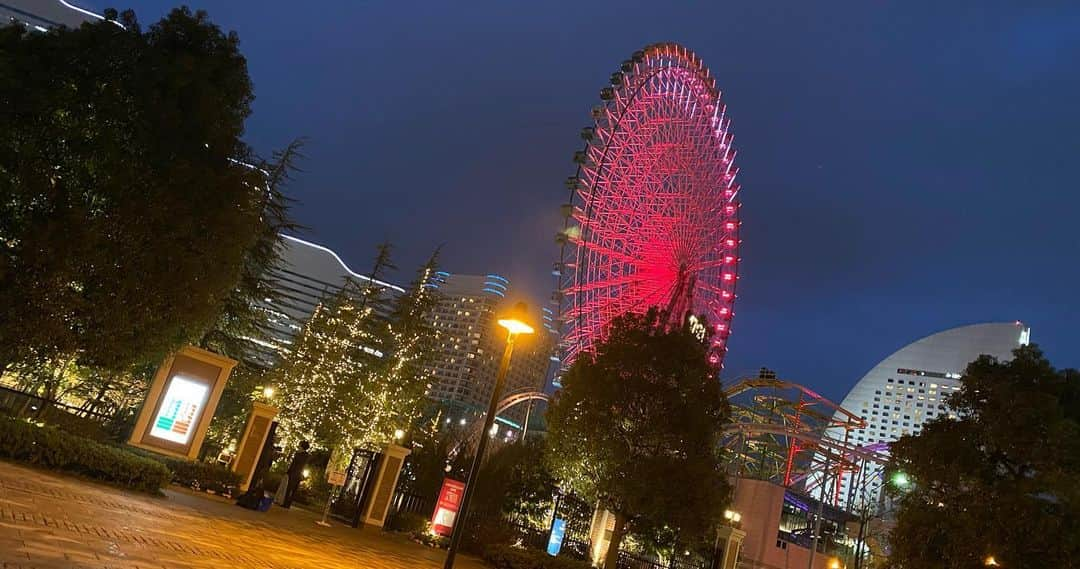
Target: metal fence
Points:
(629, 560)
(24, 405)
(405, 503)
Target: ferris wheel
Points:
(653, 215)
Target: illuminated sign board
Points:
(180, 410)
(180, 403)
(558, 531)
(442, 521)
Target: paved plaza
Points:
(50, 521)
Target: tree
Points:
(395, 391)
(517, 482)
(1000, 480)
(244, 318)
(322, 378)
(129, 206)
(357, 375)
(637, 418)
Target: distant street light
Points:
(515, 323)
(900, 479)
(991, 562)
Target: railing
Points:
(629, 560)
(403, 503)
(68, 417)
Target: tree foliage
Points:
(640, 417)
(128, 213)
(356, 372)
(1000, 479)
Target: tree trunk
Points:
(611, 558)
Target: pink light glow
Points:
(659, 173)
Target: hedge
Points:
(49, 447)
(508, 557)
(202, 475)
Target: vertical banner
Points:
(558, 531)
(446, 509)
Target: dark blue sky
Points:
(906, 166)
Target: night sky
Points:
(906, 167)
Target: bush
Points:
(52, 448)
(409, 522)
(507, 557)
(483, 531)
(202, 475)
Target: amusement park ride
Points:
(652, 219)
(786, 433)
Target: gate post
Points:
(382, 490)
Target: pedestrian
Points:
(296, 473)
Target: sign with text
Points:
(446, 509)
(180, 403)
(558, 531)
(180, 410)
(337, 467)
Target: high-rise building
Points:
(41, 15)
(907, 389)
(471, 345)
(307, 274)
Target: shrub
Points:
(431, 540)
(483, 531)
(52, 448)
(409, 522)
(202, 475)
(508, 557)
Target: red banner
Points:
(442, 521)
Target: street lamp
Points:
(900, 479)
(515, 323)
(991, 562)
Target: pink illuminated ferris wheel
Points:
(653, 212)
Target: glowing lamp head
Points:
(990, 562)
(900, 479)
(268, 392)
(834, 563)
(306, 473)
(515, 321)
(399, 434)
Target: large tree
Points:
(322, 379)
(357, 371)
(1001, 479)
(130, 205)
(638, 417)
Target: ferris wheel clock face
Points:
(653, 218)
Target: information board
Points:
(180, 410)
(442, 521)
(558, 531)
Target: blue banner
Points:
(558, 530)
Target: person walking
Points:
(296, 473)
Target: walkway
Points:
(52, 522)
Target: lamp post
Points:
(515, 324)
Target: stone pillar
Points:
(729, 542)
(382, 489)
(603, 525)
(182, 400)
(251, 443)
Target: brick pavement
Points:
(51, 522)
